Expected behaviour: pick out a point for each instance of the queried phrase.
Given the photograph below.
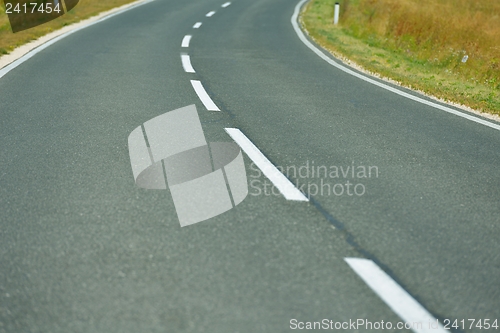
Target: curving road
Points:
(82, 249)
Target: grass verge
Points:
(85, 9)
(446, 48)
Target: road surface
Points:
(82, 249)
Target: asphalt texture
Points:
(82, 249)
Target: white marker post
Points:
(336, 14)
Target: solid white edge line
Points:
(210, 14)
(285, 186)
(323, 56)
(405, 306)
(42, 47)
(203, 96)
(197, 25)
(225, 4)
(186, 40)
(186, 63)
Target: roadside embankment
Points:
(449, 49)
(23, 41)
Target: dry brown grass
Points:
(85, 9)
(419, 43)
(441, 31)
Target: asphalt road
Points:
(82, 249)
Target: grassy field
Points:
(446, 48)
(84, 9)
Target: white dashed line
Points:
(203, 95)
(186, 40)
(285, 186)
(210, 14)
(323, 56)
(395, 297)
(186, 63)
(226, 4)
(197, 25)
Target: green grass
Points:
(419, 43)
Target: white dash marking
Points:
(226, 4)
(203, 95)
(186, 40)
(186, 63)
(395, 296)
(197, 25)
(210, 14)
(285, 186)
